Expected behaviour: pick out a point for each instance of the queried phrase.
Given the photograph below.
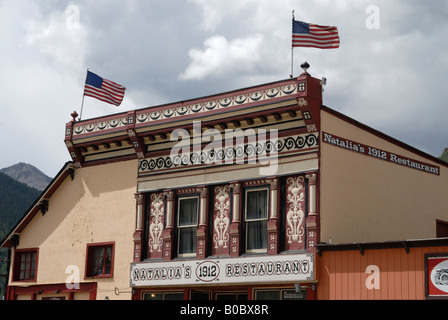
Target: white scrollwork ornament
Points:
(221, 223)
(295, 215)
(156, 226)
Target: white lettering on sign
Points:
(379, 154)
(234, 270)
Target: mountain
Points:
(28, 175)
(444, 155)
(20, 187)
(15, 199)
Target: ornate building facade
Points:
(239, 195)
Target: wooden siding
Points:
(342, 274)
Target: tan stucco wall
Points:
(366, 199)
(97, 206)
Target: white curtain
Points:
(256, 219)
(188, 221)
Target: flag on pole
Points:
(103, 89)
(314, 36)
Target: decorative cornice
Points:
(230, 155)
(190, 109)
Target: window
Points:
(231, 296)
(280, 294)
(25, 265)
(200, 295)
(441, 228)
(100, 259)
(163, 296)
(256, 218)
(187, 222)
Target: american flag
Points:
(103, 89)
(314, 36)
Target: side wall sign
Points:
(436, 275)
(379, 154)
(277, 268)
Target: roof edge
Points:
(66, 170)
(384, 136)
(362, 246)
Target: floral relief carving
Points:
(295, 215)
(221, 220)
(156, 222)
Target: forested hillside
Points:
(15, 199)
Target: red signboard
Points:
(436, 275)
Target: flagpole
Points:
(292, 50)
(82, 104)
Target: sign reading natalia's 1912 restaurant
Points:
(378, 153)
(298, 267)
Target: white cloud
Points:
(221, 57)
(58, 37)
(214, 11)
(392, 78)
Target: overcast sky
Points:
(389, 72)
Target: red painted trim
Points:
(88, 262)
(250, 289)
(243, 91)
(34, 290)
(192, 101)
(34, 209)
(17, 262)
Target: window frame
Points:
(90, 250)
(179, 228)
(248, 221)
(162, 294)
(17, 268)
(281, 293)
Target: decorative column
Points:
(295, 213)
(273, 222)
(221, 221)
(312, 221)
(155, 228)
(201, 234)
(138, 227)
(235, 226)
(167, 234)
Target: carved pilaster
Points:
(312, 221)
(137, 245)
(156, 220)
(138, 227)
(295, 213)
(221, 220)
(168, 251)
(167, 234)
(235, 226)
(202, 230)
(273, 222)
(235, 235)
